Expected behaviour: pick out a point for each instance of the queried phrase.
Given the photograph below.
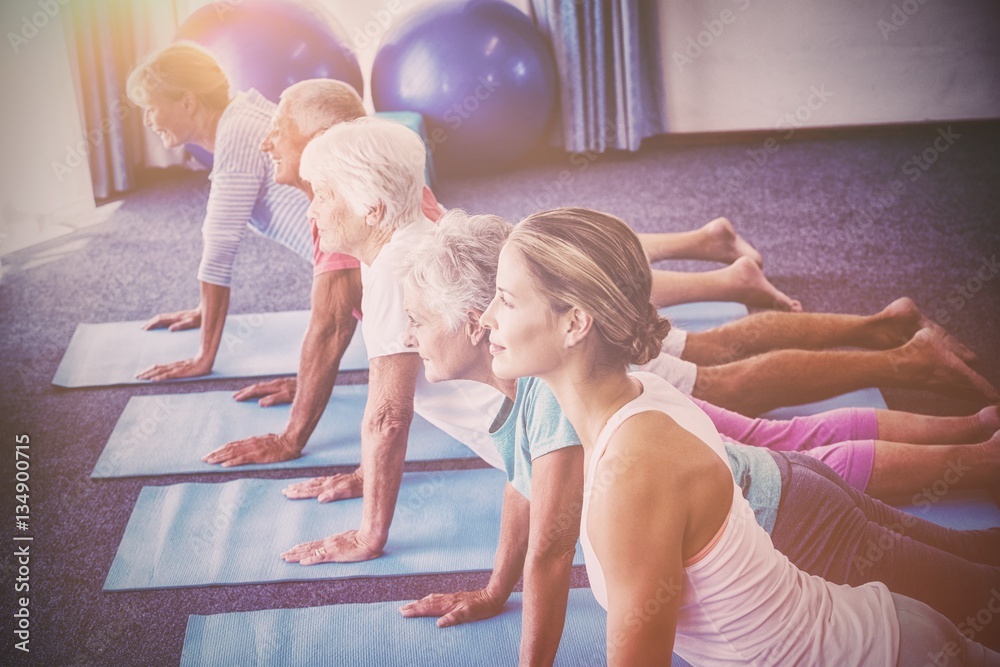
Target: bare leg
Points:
(906, 469)
(793, 377)
(742, 281)
(763, 332)
(896, 426)
(717, 241)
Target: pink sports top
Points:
(743, 602)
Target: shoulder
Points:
(241, 130)
(547, 427)
(650, 453)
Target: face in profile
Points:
(170, 119)
(284, 145)
(340, 228)
(447, 354)
(525, 333)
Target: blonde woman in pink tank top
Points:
(672, 548)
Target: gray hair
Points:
(455, 269)
(370, 161)
(315, 105)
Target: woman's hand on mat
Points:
(327, 489)
(347, 547)
(455, 608)
(187, 368)
(270, 448)
(178, 321)
(272, 392)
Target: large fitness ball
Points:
(269, 45)
(480, 74)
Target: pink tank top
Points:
(743, 602)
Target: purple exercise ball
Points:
(270, 44)
(478, 71)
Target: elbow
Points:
(332, 328)
(555, 546)
(390, 422)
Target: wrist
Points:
(373, 539)
(497, 593)
(293, 439)
(205, 360)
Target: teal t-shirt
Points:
(532, 426)
(758, 476)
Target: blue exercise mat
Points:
(376, 635)
(252, 346)
(961, 509)
(863, 398)
(234, 532)
(170, 433)
(703, 314)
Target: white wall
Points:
(833, 62)
(45, 176)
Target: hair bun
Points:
(649, 335)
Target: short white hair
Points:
(369, 161)
(315, 105)
(454, 270)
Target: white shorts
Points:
(669, 365)
(674, 342)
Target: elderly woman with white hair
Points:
(367, 178)
(819, 521)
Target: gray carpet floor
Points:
(805, 208)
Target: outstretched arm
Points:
(556, 504)
(211, 316)
(384, 432)
(641, 559)
(468, 606)
(231, 201)
(331, 327)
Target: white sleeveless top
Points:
(743, 602)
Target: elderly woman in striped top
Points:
(186, 99)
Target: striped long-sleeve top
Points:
(243, 192)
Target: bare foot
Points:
(725, 245)
(991, 457)
(939, 369)
(989, 419)
(905, 319)
(753, 289)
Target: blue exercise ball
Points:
(478, 71)
(269, 44)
